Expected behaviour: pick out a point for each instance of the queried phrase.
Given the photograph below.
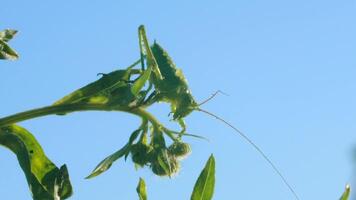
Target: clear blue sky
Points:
(289, 68)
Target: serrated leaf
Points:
(141, 190)
(108, 161)
(7, 34)
(204, 187)
(41, 174)
(346, 194)
(141, 81)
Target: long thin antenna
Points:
(212, 96)
(256, 147)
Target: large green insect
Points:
(171, 86)
(169, 81)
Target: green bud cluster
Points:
(180, 149)
(140, 154)
(164, 164)
(162, 160)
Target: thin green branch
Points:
(69, 108)
(49, 110)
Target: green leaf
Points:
(346, 194)
(111, 89)
(108, 161)
(99, 91)
(141, 190)
(132, 138)
(6, 52)
(204, 187)
(45, 180)
(7, 34)
(140, 82)
(134, 135)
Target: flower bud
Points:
(180, 149)
(140, 154)
(165, 164)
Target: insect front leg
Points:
(182, 125)
(145, 48)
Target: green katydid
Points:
(172, 87)
(118, 89)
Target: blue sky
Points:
(288, 66)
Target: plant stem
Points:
(68, 108)
(49, 110)
(143, 113)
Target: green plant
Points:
(6, 52)
(346, 194)
(131, 90)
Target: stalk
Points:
(70, 108)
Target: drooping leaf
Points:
(41, 174)
(108, 161)
(204, 187)
(132, 138)
(141, 190)
(346, 194)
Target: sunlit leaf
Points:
(41, 174)
(7, 34)
(108, 161)
(6, 52)
(141, 190)
(204, 187)
(111, 89)
(346, 194)
(97, 92)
